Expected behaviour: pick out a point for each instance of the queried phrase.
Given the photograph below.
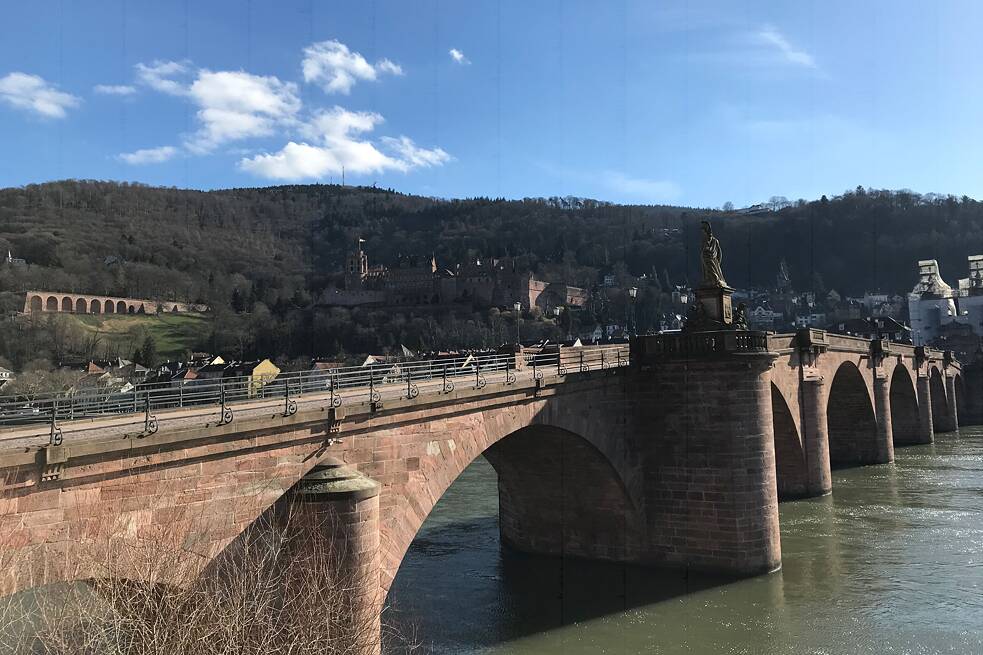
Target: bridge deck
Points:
(136, 424)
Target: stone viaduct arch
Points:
(45, 301)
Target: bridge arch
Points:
(850, 418)
(960, 392)
(95, 307)
(51, 304)
(110, 307)
(561, 488)
(36, 304)
(790, 463)
(904, 408)
(80, 306)
(120, 307)
(940, 400)
(66, 304)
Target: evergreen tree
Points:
(148, 352)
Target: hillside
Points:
(259, 256)
(174, 334)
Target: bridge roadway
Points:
(678, 459)
(355, 398)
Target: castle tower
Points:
(356, 267)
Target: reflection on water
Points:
(892, 562)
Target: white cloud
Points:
(336, 69)
(235, 105)
(148, 155)
(414, 156)
(35, 94)
(232, 105)
(337, 144)
(650, 190)
(771, 37)
(159, 75)
(459, 57)
(338, 123)
(114, 89)
(387, 66)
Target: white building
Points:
(815, 319)
(930, 303)
(5, 376)
(763, 318)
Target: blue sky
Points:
(694, 103)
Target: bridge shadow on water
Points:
(459, 590)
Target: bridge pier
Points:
(332, 517)
(815, 437)
(952, 412)
(926, 428)
(884, 446)
(706, 429)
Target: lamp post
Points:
(556, 313)
(518, 308)
(632, 294)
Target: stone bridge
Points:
(678, 459)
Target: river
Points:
(892, 562)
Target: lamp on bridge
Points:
(518, 310)
(632, 294)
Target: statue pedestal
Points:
(716, 303)
(713, 310)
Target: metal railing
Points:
(373, 383)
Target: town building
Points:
(10, 260)
(6, 377)
(876, 327)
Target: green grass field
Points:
(174, 334)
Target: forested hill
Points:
(281, 244)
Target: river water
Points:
(892, 562)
